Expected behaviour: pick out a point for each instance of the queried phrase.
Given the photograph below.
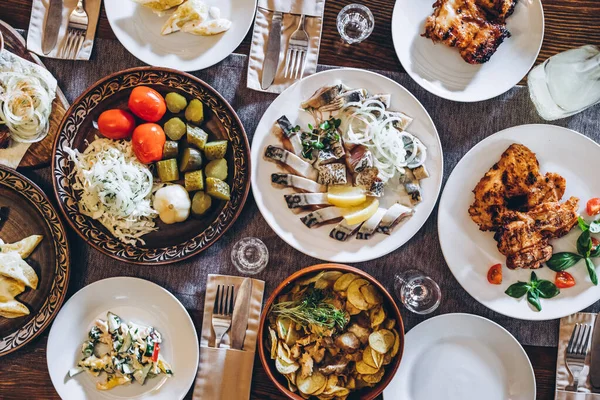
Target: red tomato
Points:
(595, 243)
(494, 275)
(147, 104)
(148, 141)
(564, 280)
(116, 124)
(593, 206)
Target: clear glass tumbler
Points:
(250, 255)
(355, 23)
(417, 291)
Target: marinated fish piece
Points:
(369, 180)
(386, 99)
(320, 216)
(332, 174)
(420, 172)
(412, 187)
(343, 231)
(359, 158)
(325, 156)
(300, 200)
(298, 182)
(367, 229)
(291, 134)
(392, 217)
(337, 148)
(322, 96)
(401, 121)
(293, 161)
(351, 96)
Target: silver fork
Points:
(76, 30)
(297, 50)
(221, 317)
(577, 350)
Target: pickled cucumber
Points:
(170, 149)
(217, 169)
(191, 160)
(215, 150)
(194, 112)
(167, 170)
(200, 203)
(196, 137)
(194, 181)
(217, 189)
(175, 102)
(175, 128)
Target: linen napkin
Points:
(563, 377)
(226, 373)
(37, 24)
(292, 10)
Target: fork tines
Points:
(224, 300)
(579, 342)
(295, 59)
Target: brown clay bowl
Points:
(390, 304)
(170, 243)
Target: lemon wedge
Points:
(346, 196)
(361, 213)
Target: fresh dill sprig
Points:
(311, 309)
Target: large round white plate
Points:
(470, 252)
(442, 71)
(134, 300)
(138, 30)
(462, 357)
(316, 242)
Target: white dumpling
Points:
(190, 13)
(209, 28)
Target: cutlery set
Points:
(584, 341)
(76, 29)
(228, 316)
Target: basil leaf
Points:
(584, 244)
(583, 225)
(592, 271)
(534, 299)
(533, 277)
(595, 227)
(562, 261)
(547, 289)
(517, 290)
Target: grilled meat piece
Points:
(498, 9)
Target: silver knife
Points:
(53, 21)
(272, 54)
(595, 355)
(241, 310)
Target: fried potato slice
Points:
(274, 343)
(351, 309)
(377, 316)
(285, 367)
(396, 345)
(24, 246)
(342, 283)
(374, 378)
(381, 341)
(371, 294)
(365, 369)
(311, 384)
(355, 296)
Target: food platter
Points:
(170, 243)
(316, 241)
(136, 300)
(470, 263)
(31, 213)
(139, 31)
(484, 357)
(441, 70)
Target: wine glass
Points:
(250, 255)
(417, 291)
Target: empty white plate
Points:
(442, 71)
(462, 357)
(135, 300)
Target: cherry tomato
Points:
(494, 275)
(148, 141)
(116, 124)
(564, 280)
(147, 104)
(593, 206)
(595, 243)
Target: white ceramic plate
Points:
(462, 357)
(316, 242)
(470, 252)
(134, 300)
(138, 30)
(442, 71)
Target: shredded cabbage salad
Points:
(116, 188)
(370, 124)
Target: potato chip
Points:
(367, 357)
(338, 391)
(377, 316)
(387, 358)
(283, 325)
(332, 275)
(274, 342)
(389, 323)
(374, 378)
(396, 345)
(291, 378)
(311, 384)
(284, 367)
(351, 309)
(355, 296)
(381, 341)
(283, 352)
(351, 383)
(364, 369)
(292, 336)
(342, 283)
(371, 294)
(361, 333)
(311, 279)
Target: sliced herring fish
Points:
(288, 131)
(299, 200)
(293, 161)
(322, 215)
(298, 182)
(367, 229)
(393, 216)
(343, 231)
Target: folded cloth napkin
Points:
(37, 24)
(563, 377)
(225, 373)
(292, 10)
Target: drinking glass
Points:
(417, 291)
(250, 255)
(355, 23)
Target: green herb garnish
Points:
(311, 308)
(320, 139)
(534, 289)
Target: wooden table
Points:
(569, 23)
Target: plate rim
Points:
(534, 316)
(355, 259)
(412, 74)
(170, 259)
(143, 282)
(58, 243)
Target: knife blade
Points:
(52, 26)
(272, 55)
(241, 310)
(595, 355)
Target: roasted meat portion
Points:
(475, 27)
